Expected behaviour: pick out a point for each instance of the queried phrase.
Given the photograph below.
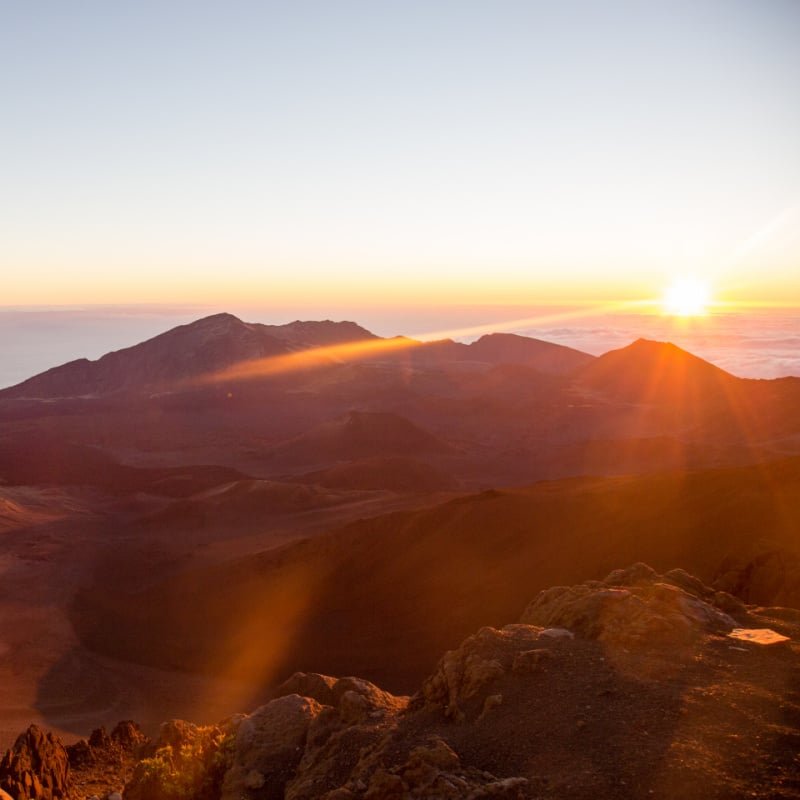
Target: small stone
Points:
(253, 780)
(762, 636)
(490, 703)
(557, 633)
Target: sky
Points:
(384, 153)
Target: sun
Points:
(686, 297)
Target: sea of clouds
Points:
(749, 344)
(755, 344)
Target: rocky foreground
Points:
(641, 685)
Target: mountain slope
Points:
(358, 435)
(41, 460)
(395, 473)
(188, 351)
(509, 348)
(639, 685)
(222, 341)
(384, 596)
(183, 352)
(656, 372)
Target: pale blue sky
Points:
(502, 150)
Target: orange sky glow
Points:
(420, 153)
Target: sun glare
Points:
(686, 297)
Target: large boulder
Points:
(464, 682)
(310, 684)
(634, 608)
(433, 769)
(354, 698)
(36, 767)
(267, 747)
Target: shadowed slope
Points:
(359, 434)
(509, 348)
(395, 473)
(183, 352)
(47, 461)
(188, 351)
(383, 596)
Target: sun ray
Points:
(319, 357)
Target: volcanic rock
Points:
(92, 761)
(268, 746)
(347, 694)
(464, 678)
(632, 607)
(36, 767)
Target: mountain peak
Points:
(318, 333)
(223, 316)
(207, 345)
(652, 348)
(654, 345)
(212, 325)
(649, 371)
(512, 348)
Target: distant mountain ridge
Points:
(221, 341)
(308, 396)
(511, 348)
(187, 351)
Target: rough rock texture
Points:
(632, 607)
(36, 767)
(434, 770)
(124, 741)
(268, 746)
(345, 739)
(353, 746)
(105, 760)
(572, 711)
(464, 678)
(310, 684)
(354, 697)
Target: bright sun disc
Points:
(687, 297)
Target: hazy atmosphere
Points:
(751, 343)
(400, 400)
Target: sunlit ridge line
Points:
(324, 355)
